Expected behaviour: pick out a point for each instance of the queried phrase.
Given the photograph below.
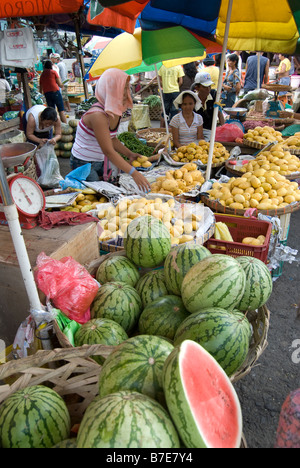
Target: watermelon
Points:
(259, 283)
(136, 364)
(147, 241)
(67, 443)
(163, 316)
(117, 301)
(35, 417)
(126, 419)
(224, 334)
(288, 430)
(216, 281)
(201, 399)
(151, 286)
(118, 268)
(100, 331)
(179, 261)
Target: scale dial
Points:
(27, 195)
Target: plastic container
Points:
(239, 228)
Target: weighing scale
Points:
(237, 114)
(26, 193)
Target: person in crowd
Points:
(187, 126)
(55, 58)
(252, 71)
(190, 71)
(170, 80)
(207, 96)
(283, 72)
(4, 88)
(50, 84)
(96, 139)
(232, 82)
(63, 74)
(40, 121)
(76, 70)
(210, 67)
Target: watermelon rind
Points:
(163, 316)
(67, 443)
(126, 419)
(136, 364)
(118, 301)
(259, 284)
(201, 399)
(100, 331)
(117, 268)
(216, 281)
(179, 261)
(151, 286)
(147, 241)
(224, 334)
(34, 417)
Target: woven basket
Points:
(30, 170)
(229, 168)
(214, 205)
(155, 112)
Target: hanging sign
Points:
(23, 8)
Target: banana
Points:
(222, 232)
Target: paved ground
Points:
(276, 373)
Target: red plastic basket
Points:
(239, 228)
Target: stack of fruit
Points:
(262, 136)
(261, 189)
(86, 200)
(64, 146)
(179, 181)
(189, 333)
(199, 152)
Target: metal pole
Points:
(215, 114)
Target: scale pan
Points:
(13, 154)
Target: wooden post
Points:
(26, 90)
(80, 53)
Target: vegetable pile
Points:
(134, 144)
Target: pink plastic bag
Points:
(68, 285)
(228, 132)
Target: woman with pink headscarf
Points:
(96, 139)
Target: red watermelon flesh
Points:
(202, 400)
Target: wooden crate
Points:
(79, 242)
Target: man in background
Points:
(252, 72)
(170, 80)
(64, 79)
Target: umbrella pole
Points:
(219, 88)
(12, 218)
(162, 101)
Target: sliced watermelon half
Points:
(201, 399)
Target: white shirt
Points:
(4, 88)
(186, 134)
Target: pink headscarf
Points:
(110, 91)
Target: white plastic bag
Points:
(48, 166)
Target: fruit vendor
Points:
(96, 139)
(39, 122)
(187, 126)
(207, 96)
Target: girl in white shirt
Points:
(187, 126)
(4, 87)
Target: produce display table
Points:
(76, 98)
(80, 242)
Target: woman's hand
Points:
(133, 157)
(141, 181)
(52, 141)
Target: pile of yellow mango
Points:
(194, 152)
(275, 159)
(293, 142)
(141, 161)
(176, 182)
(86, 200)
(261, 189)
(181, 223)
(262, 135)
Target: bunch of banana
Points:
(86, 200)
(222, 232)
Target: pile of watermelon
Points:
(178, 319)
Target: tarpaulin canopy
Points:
(257, 25)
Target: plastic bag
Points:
(140, 117)
(48, 166)
(74, 178)
(228, 132)
(68, 285)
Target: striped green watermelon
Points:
(67, 443)
(118, 268)
(259, 283)
(163, 316)
(179, 261)
(147, 241)
(126, 419)
(201, 399)
(224, 334)
(136, 364)
(100, 331)
(216, 281)
(35, 417)
(119, 302)
(151, 286)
